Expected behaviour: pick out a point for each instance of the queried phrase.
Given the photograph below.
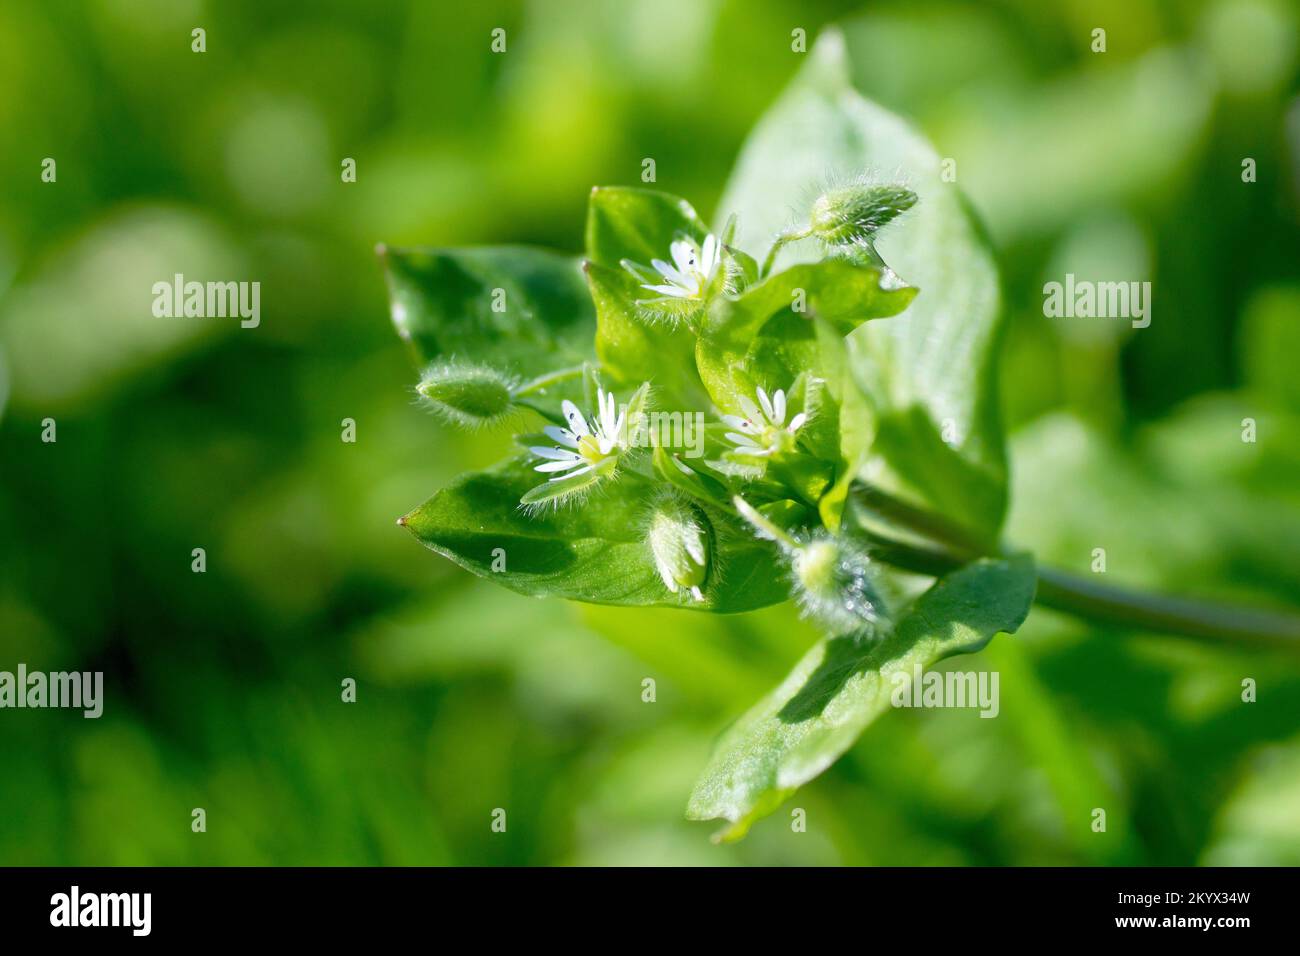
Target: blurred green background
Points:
(223, 689)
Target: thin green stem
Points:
(788, 236)
(762, 524)
(951, 546)
(927, 524)
(1218, 623)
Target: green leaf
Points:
(841, 412)
(637, 224)
(936, 362)
(523, 311)
(633, 350)
(592, 549)
(636, 344)
(842, 685)
(839, 396)
(765, 337)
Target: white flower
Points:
(693, 269)
(586, 448)
(763, 431)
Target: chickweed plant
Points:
(843, 358)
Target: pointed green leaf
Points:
(523, 311)
(589, 548)
(625, 222)
(842, 685)
(633, 348)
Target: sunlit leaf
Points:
(523, 311)
(592, 548)
(843, 684)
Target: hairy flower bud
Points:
(854, 213)
(679, 540)
(833, 582)
(467, 395)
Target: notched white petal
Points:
(572, 474)
(558, 465)
(561, 435)
(556, 454)
(577, 424)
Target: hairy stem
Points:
(953, 546)
(789, 235)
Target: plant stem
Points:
(1076, 594)
(962, 543)
(789, 235)
(1218, 623)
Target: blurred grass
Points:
(223, 689)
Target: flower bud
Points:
(679, 541)
(834, 584)
(467, 395)
(854, 213)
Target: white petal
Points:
(744, 441)
(577, 424)
(767, 405)
(697, 594)
(684, 469)
(609, 416)
(580, 471)
(778, 406)
(684, 256)
(555, 454)
(669, 273)
(675, 291)
(562, 435)
(741, 424)
(709, 254)
(796, 423)
(559, 465)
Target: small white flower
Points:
(763, 431)
(692, 270)
(584, 447)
